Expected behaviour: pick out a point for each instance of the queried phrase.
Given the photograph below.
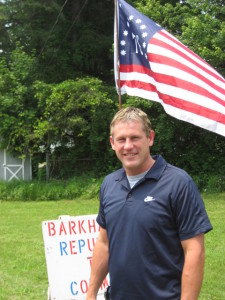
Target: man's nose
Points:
(128, 144)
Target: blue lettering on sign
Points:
(73, 283)
(63, 246)
(72, 247)
(81, 244)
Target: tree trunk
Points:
(48, 160)
(47, 165)
(75, 9)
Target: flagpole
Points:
(117, 54)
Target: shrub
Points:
(210, 183)
(87, 187)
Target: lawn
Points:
(23, 273)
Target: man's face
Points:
(131, 145)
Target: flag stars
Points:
(144, 34)
(142, 27)
(134, 27)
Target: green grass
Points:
(23, 273)
(214, 279)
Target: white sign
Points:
(69, 243)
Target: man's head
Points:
(131, 137)
(131, 114)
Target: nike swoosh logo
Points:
(149, 199)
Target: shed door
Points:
(13, 167)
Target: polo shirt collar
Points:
(154, 173)
(157, 169)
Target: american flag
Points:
(154, 65)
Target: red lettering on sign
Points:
(84, 286)
(72, 247)
(91, 226)
(62, 229)
(81, 228)
(51, 229)
(89, 246)
(104, 284)
(90, 260)
(72, 225)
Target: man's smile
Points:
(130, 154)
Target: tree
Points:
(18, 108)
(74, 122)
(68, 36)
(204, 31)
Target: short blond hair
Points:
(134, 114)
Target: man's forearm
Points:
(98, 274)
(99, 268)
(192, 274)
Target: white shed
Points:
(14, 167)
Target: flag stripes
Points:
(175, 87)
(182, 54)
(170, 40)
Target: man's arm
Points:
(192, 275)
(99, 265)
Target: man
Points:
(152, 221)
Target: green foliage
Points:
(216, 184)
(17, 105)
(78, 186)
(210, 183)
(76, 118)
(68, 36)
(203, 31)
(86, 186)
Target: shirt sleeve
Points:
(101, 215)
(191, 216)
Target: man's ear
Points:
(112, 142)
(151, 138)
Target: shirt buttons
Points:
(129, 199)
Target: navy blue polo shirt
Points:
(145, 227)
